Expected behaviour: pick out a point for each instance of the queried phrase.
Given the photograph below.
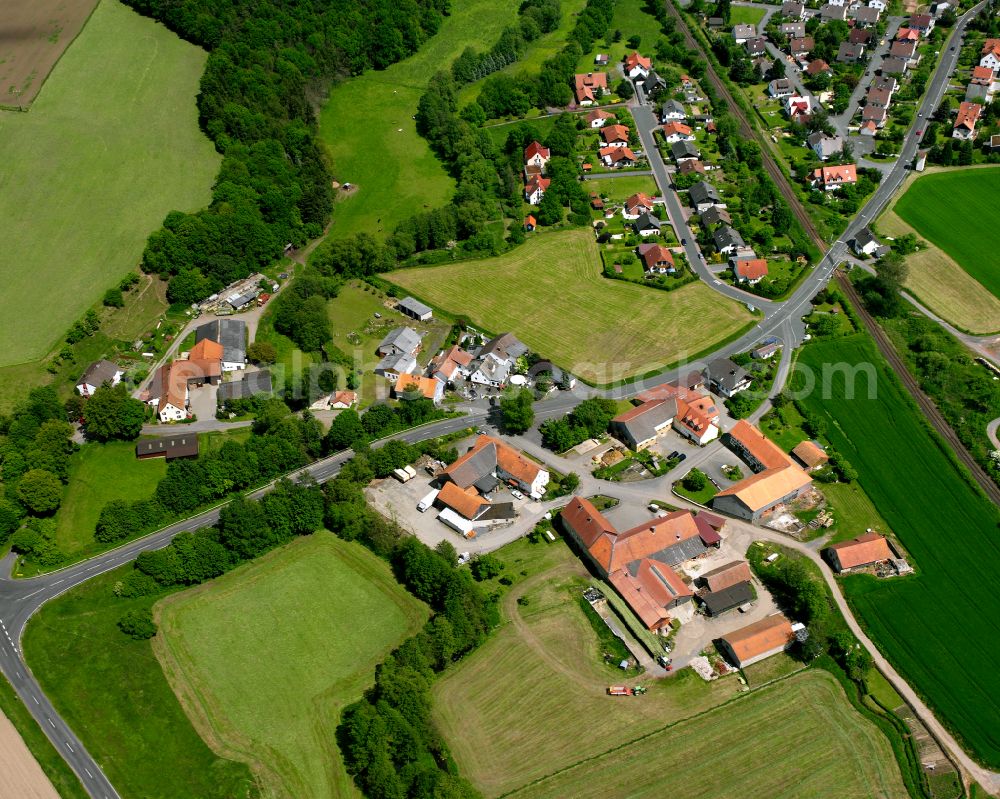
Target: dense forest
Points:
(273, 188)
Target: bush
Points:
(113, 298)
(695, 480)
(138, 624)
(485, 567)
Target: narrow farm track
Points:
(748, 131)
(926, 405)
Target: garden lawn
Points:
(940, 208)
(550, 293)
(98, 474)
(368, 128)
(620, 189)
(746, 15)
(265, 658)
(110, 145)
(112, 691)
(528, 713)
(939, 628)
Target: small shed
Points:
(169, 447)
(415, 309)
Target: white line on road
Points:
(51, 722)
(88, 772)
(36, 700)
(70, 747)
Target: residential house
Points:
(535, 190)
(98, 374)
(793, 30)
(801, 47)
(618, 157)
(691, 165)
(849, 53)
(976, 93)
(168, 392)
(590, 87)
(756, 46)
(640, 427)
(506, 346)
(656, 259)
(867, 17)
(727, 240)
(907, 35)
(990, 54)
(777, 477)
(652, 85)
(637, 205)
(399, 341)
(703, 195)
(342, 400)
(614, 136)
(168, 447)
(647, 225)
(965, 121)
(865, 243)
(727, 378)
(867, 129)
(780, 88)
(875, 115)
(251, 384)
(894, 66)
(597, 118)
(939, 9)
(830, 178)
(203, 364)
(415, 309)
(985, 82)
(638, 562)
(885, 83)
(684, 149)
(491, 460)
(743, 32)
(636, 66)
(465, 503)
(818, 67)
(715, 215)
(416, 385)
(450, 364)
(673, 111)
(798, 107)
(921, 22)
(697, 417)
(395, 364)
(865, 550)
(757, 641)
(766, 351)
(878, 97)
(831, 12)
(859, 36)
(677, 131)
(537, 156)
(904, 49)
(825, 146)
(750, 270)
(809, 454)
(232, 335)
(792, 10)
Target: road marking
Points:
(69, 746)
(51, 722)
(36, 699)
(32, 594)
(88, 772)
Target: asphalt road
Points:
(19, 599)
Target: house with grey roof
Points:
(506, 346)
(727, 378)
(756, 46)
(415, 309)
(792, 10)
(781, 88)
(395, 364)
(866, 17)
(491, 371)
(743, 32)
(703, 196)
(727, 240)
(865, 243)
(97, 374)
(684, 149)
(793, 30)
(647, 225)
(831, 12)
(232, 335)
(715, 215)
(639, 427)
(673, 111)
(825, 146)
(401, 340)
(849, 53)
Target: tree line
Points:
(273, 186)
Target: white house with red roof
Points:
(597, 118)
(656, 259)
(616, 157)
(637, 66)
(537, 156)
(535, 190)
(590, 87)
(637, 205)
(677, 131)
(966, 120)
(831, 178)
(750, 270)
(614, 136)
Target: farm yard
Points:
(265, 658)
(527, 715)
(45, 28)
(109, 147)
(549, 292)
(937, 628)
(392, 168)
(951, 276)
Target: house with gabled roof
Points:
(802, 46)
(793, 30)
(729, 574)
(677, 131)
(867, 17)
(809, 454)
(757, 641)
(637, 65)
(597, 118)
(830, 178)
(491, 460)
(232, 335)
(537, 156)
(750, 270)
(535, 190)
(395, 364)
(849, 53)
(451, 364)
(792, 10)
(825, 146)
(894, 66)
(647, 225)
(865, 550)
(673, 111)
(409, 306)
(614, 136)
(399, 341)
(590, 87)
(703, 195)
(682, 150)
(743, 32)
(640, 427)
(656, 259)
(715, 215)
(818, 67)
(98, 374)
(990, 54)
(408, 386)
(860, 36)
(727, 239)
(780, 88)
(637, 205)
(617, 157)
(831, 12)
(966, 120)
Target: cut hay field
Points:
(367, 125)
(265, 658)
(956, 277)
(939, 628)
(36, 34)
(108, 148)
(549, 292)
(527, 714)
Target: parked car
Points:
(516, 494)
(672, 455)
(682, 456)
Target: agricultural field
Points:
(99, 473)
(368, 128)
(109, 147)
(601, 330)
(511, 713)
(44, 29)
(936, 627)
(953, 277)
(265, 658)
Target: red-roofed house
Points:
(615, 135)
(965, 122)
(750, 270)
(991, 54)
(597, 118)
(616, 157)
(697, 419)
(535, 190)
(537, 156)
(637, 66)
(590, 87)
(637, 205)
(530, 223)
(677, 131)
(859, 552)
(830, 178)
(656, 259)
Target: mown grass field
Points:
(368, 128)
(947, 209)
(620, 189)
(549, 292)
(109, 147)
(631, 20)
(98, 474)
(939, 628)
(112, 692)
(745, 15)
(527, 713)
(264, 658)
